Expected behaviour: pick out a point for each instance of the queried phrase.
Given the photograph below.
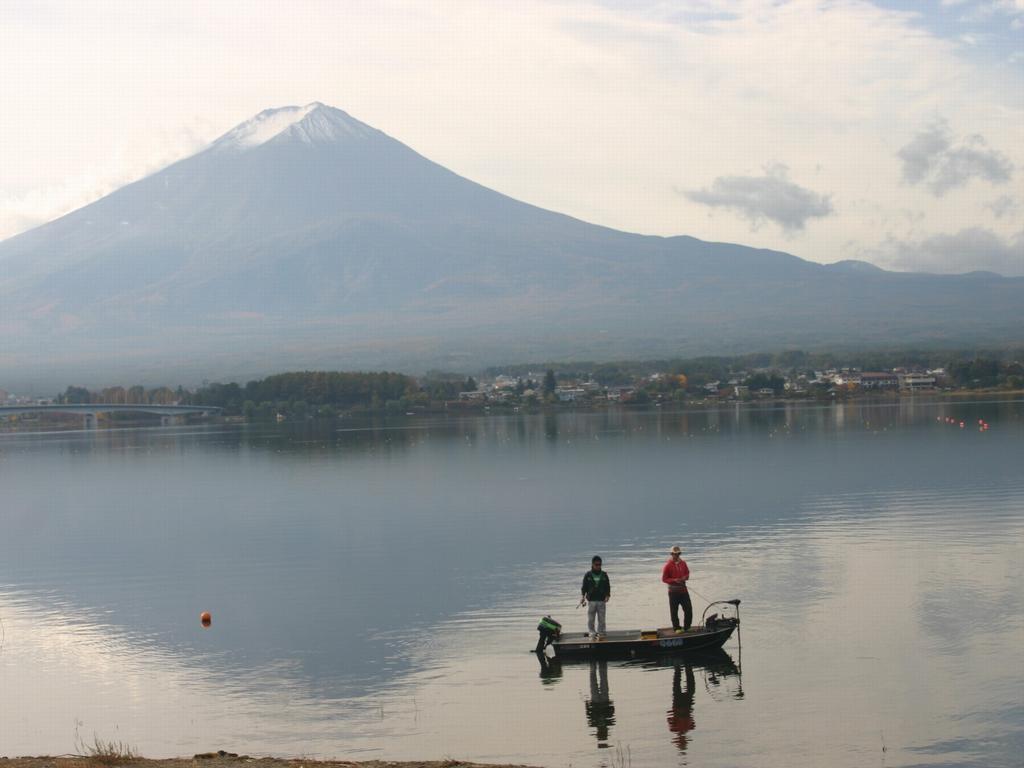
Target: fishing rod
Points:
(698, 594)
(734, 603)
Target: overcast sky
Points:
(890, 131)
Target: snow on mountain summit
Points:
(265, 126)
(312, 123)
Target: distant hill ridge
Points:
(306, 238)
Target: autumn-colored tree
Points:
(114, 395)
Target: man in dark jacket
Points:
(597, 589)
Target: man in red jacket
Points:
(675, 573)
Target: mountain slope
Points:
(305, 237)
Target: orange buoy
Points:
(205, 618)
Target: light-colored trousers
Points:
(595, 608)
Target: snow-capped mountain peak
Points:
(312, 123)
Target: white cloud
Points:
(984, 10)
(969, 249)
(771, 196)
(931, 157)
(1005, 205)
(1010, 6)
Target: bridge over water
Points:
(169, 414)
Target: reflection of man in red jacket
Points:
(680, 717)
(675, 573)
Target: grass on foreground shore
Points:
(115, 754)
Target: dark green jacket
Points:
(596, 586)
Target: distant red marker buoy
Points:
(961, 425)
(205, 618)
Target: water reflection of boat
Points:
(716, 668)
(636, 643)
(723, 676)
(715, 661)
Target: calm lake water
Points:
(375, 587)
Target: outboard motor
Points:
(715, 620)
(548, 630)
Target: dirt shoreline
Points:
(213, 760)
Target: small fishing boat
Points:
(710, 634)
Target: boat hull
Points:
(636, 643)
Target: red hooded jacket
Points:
(675, 570)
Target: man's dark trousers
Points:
(675, 599)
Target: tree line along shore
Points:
(699, 381)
